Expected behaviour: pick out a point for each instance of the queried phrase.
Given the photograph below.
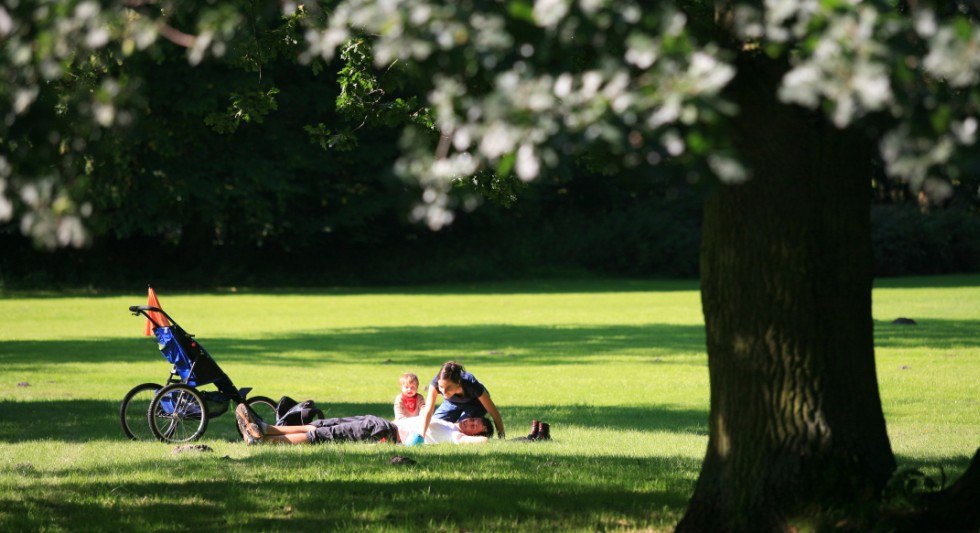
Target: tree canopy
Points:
(489, 92)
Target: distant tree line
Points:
(255, 169)
(553, 234)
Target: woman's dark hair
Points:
(452, 371)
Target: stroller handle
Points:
(145, 309)
(135, 309)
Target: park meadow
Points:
(617, 367)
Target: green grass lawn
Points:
(617, 367)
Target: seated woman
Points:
(463, 397)
(362, 428)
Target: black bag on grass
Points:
(289, 412)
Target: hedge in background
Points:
(908, 241)
(646, 237)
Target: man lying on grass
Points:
(363, 428)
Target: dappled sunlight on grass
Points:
(80, 420)
(617, 368)
(500, 484)
(934, 334)
(492, 344)
(311, 312)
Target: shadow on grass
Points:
(560, 286)
(503, 344)
(568, 286)
(340, 489)
(426, 346)
(929, 333)
(86, 420)
(944, 470)
(929, 282)
(499, 491)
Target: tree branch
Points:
(176, 36)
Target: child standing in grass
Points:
(409, 402)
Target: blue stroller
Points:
(178, 411)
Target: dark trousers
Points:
(352, 428)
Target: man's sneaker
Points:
(244, 428)
(255, 432)
(242, 411)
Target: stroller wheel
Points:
(178, 414)
(133, 409)
(264, 407)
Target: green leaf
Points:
(506, 164)
(941, 118)
(521, 10)
(963, 28)
(773, 50)
(697, 142)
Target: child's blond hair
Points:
(409, 377)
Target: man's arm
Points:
(467, 439)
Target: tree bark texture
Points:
(796, 424)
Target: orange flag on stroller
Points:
(151, 300)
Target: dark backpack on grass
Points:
(289, 412)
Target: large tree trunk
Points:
(796, 424)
